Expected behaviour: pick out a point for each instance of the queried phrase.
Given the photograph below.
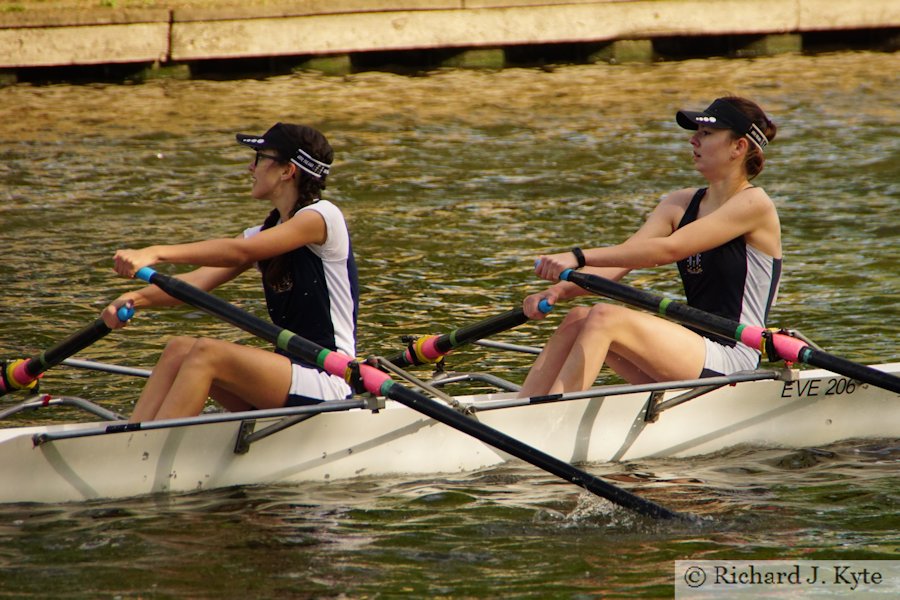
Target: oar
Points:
(430, 348)
(379, 383)
(23, 374)
(774, 345)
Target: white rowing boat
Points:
(397, 430)
(363, 438)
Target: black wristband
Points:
(579, 256)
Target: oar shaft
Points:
(512, 446)
(380, 383)
(431, 348)
(788, 348)
(227, 312)
(653, 302)
(485, 328)
(21, 374)
(836, 364)
(73, 344)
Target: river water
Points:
(452, 182)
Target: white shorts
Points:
(309, 384)
(725, 360)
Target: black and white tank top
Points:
(735, 280)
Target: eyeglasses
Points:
(260, 155)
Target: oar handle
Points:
(144, 273)
(75, 343)
(125, 312)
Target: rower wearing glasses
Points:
(725, 238)
(304, 256)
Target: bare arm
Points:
(306, 227)
(205, 278)
(222, 259)
(749, 213)
(661, 222)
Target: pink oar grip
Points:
(430, 350)
(423, 350)
(786, 347)
(19, 375)
(338, 364)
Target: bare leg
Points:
(549, 363)
(638, 346)
(626, 369)
(259, 378)
(161, 379)
(230, 402)
(648, 347)
(241, 377)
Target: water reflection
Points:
(464, 536)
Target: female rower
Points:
(726, 241)
(309, 278)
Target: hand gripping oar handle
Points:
(23, 374)
(428, 349)
(379, 383)
(784, 346)
(543, 305)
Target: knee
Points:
(576, 316)
(198, 347)
(195, 351)
(605, 316)
(177, 348)
(203, 352)
(574, 319)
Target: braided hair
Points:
(309, 190)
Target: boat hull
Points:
(818, 408)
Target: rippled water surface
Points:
(452, 182)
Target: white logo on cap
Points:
(706, 119)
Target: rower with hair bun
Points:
(726, 240)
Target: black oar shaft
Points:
(22, 374)
(653, 302)
(376, 381)
(73, 344)
(836, 364)
(786, 347)
(431, 348)
(531, 455)
(229, 313)
(485, 328)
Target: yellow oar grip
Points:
(10, 378)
